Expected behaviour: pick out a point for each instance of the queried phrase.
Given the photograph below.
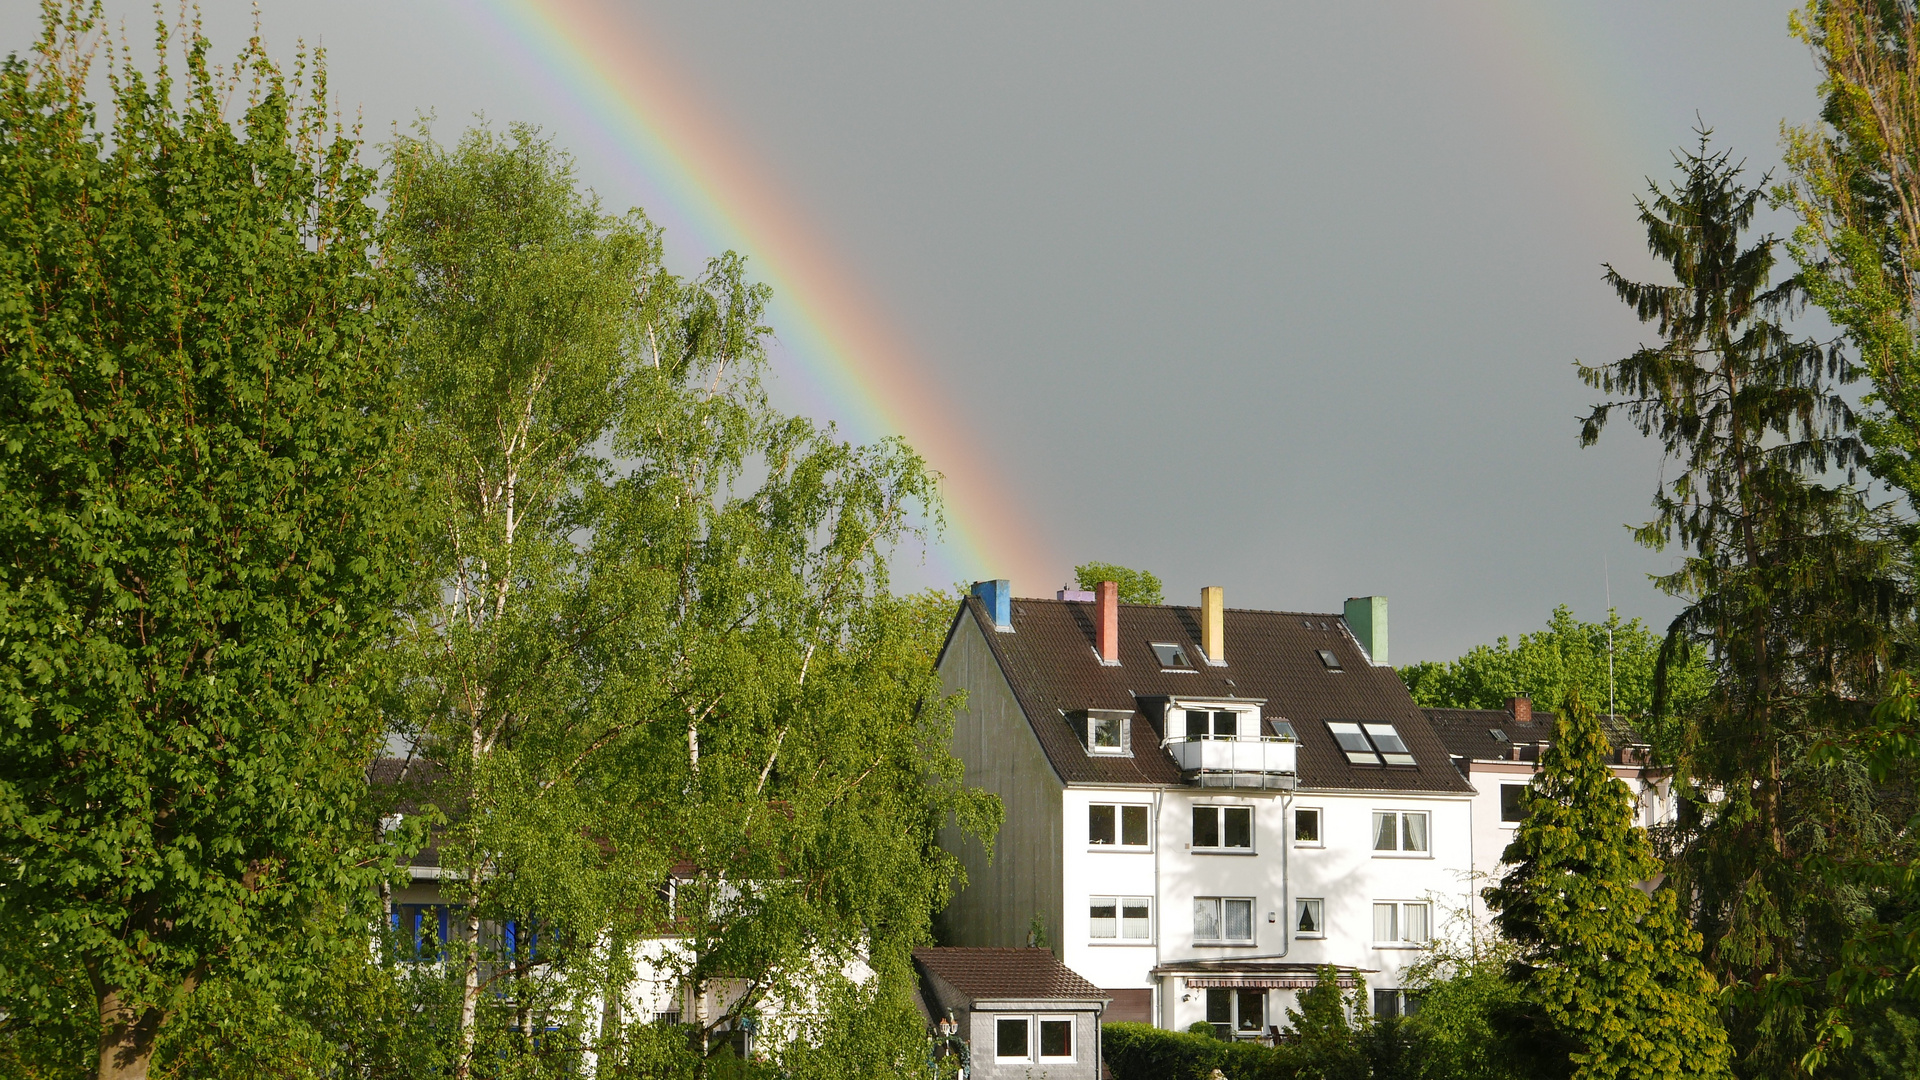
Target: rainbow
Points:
(851, 365)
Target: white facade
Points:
(1340, 877)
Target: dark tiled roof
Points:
(1468, 733)
(1272, 655)
(985, 973)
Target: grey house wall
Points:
(992, 737)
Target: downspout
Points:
(1159, 914)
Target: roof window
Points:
(1370, 744)
(1331, 661)
(1171, 655)
(1497, 735)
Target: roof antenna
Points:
(1606, 573)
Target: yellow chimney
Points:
(1213, 634)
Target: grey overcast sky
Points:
(1282, 297)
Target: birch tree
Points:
(660, 635)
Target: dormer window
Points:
(1327, 658)
(1370, 744)
(1102, 732)
(1172, 657)
(1215, 723)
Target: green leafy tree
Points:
(659, 635)
(203, 530)
(1791, 594)
(1568, 654)
(1614, 968)
(1136, 586)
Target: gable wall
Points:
(992, 737)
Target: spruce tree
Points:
(1614, 968)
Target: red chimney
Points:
(1521, 708)
(1106, 622)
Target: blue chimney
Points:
(998, 596)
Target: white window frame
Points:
(1299, 908)
(1320, 814)
(1033, 1056)
(1120, 827)
(1400, 940)
(1220, 912)
(1120, 920)
(1400, 835)
(1253, 829)
(1033, 1033)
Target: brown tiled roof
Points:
(1468, 733)
(1050, 662)
(986, 973)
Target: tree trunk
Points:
(126, 1038)
(469, 985)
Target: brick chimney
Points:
(1106, 622)
(1213, 624)
(1521, 708)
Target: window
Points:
(1309, 918)
(1214, 723)
(1236, 1010)
(1386, 1004)
(1497, 735)
(1306, 826)
(1131, 822)
(1171, 655)
(1103, 734)
(1400, 922)
(1220, 919)
(422, 929)
(1121, 918)
(1223, 828)
(1400, 830)
(1010, 1038)
(1014, 1039)
(1511, 796)
(1056, 1038)
(1370, 744)
(1327, 658)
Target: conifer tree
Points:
(1614, 968)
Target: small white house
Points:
(1204, 806)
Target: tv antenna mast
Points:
(1606, 576)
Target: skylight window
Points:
(1389, 743)
(1353, 742)
(1497, 735)
(1371, 744)
(1171, 655)
(1331, 661)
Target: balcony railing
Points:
(1235, 761)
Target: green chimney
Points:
(1367, 618)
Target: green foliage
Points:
(1614, 968)
(659, 631)
(1792, 595)
(202, 532)
(1136, 586)
(1568, 655)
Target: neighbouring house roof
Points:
(991, 974)
(1050, 663)
(1469, 733)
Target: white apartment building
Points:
(1203, 806)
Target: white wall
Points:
(1343, 870)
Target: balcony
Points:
(1235, 761)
